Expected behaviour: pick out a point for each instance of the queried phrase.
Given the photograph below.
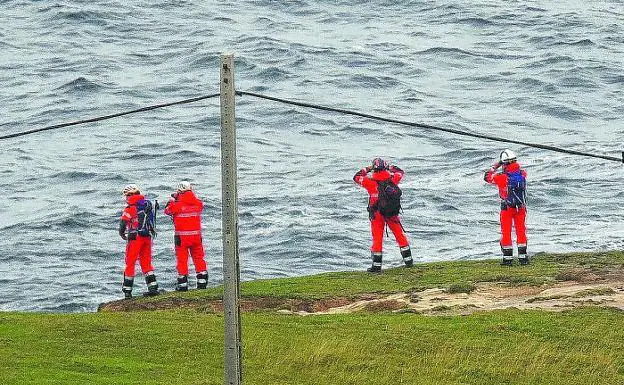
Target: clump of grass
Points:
(382, 306)
(407, 310)
(595, 291)
(547, 298)
(579, 294)
(461, 287)
(578, 274)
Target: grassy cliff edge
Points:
(182, 340)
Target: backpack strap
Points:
(373, 208)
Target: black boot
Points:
(182, 284)
(507, 256)
(152, 285)
(202, 280)
(406, 253)
(523, 258)
(376, 267)
(127, 287)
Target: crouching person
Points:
(185, 209)
(136, 226)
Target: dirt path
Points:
(436, 301)
(489, 296)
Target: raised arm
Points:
(491, 173)
(360, 176)
(397, 173)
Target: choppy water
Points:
(547, 71)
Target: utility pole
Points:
(229, 195)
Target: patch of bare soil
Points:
(216, 305)
(490, 296)
(582, 289)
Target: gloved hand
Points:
(122, 230)
(368, 168)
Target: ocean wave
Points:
(93, 18)
(73, 175)
(380, 82)
(476, 21)
(517, 71)
(80, 84)
(455, 52)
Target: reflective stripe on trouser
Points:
(141, 249)
(128, 282)
(406, 254)
(182, 281)
(515, 217)
(522, 251)
(150, 280)
(507, 252)
(190, 244)
(202, 279)
(377, 231)
(377, 258)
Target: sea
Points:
(546, 72)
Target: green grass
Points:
(461, 287)
(581, 346)
(543, 269)
(584, 346)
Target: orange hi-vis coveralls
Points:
(378, 221)
(509, 215)
(138, 247)
(185, 209)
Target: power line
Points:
(430, 127)
(325, 108)
(105, 117)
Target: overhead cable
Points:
(105, 117)
(435, 128)
(325, 108)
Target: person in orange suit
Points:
(511, 183)
(136, 226)
(185, 209)
(382, 173)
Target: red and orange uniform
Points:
(186, 209)
(509, 216)
(138, 247)
(378, 221)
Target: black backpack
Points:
(389, 198)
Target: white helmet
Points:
(507, 156)
(184, 186)
(130, 189)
